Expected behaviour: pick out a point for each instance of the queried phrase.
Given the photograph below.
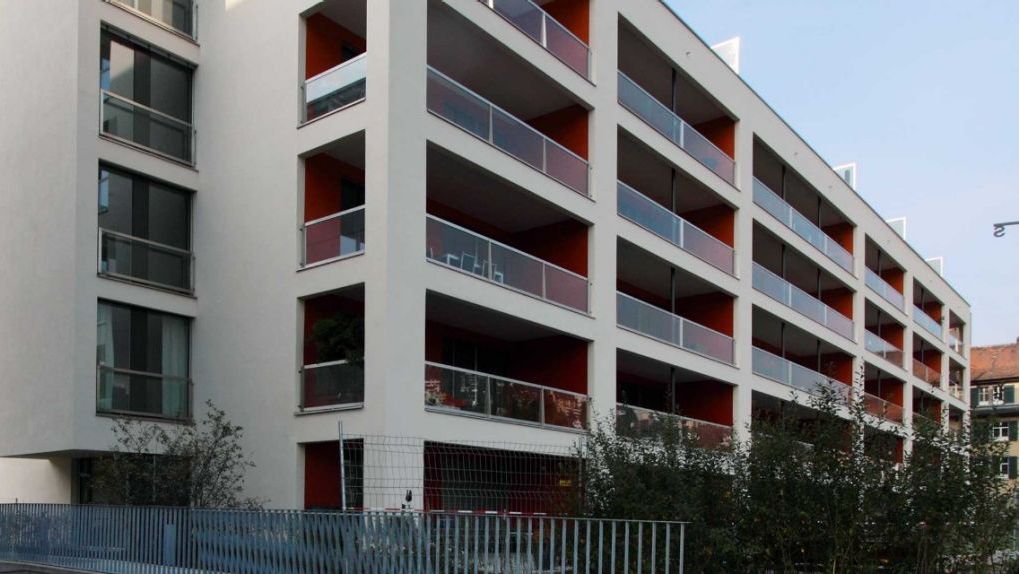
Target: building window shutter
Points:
(1009, 394)
(1012, 467)
(974, 392)
(1012, 430)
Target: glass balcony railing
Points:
(467, 251)
(336, 88)
(143, 261)
(791, 374)
(333, 237)
(955, 343)
(136, 393)
(636, 207)
(663, 120)
(883, 348)
(179, 15)
(331, 384)
(884, 290)
(926, 322)
(956, 388)
(767, 282)
(649, 320)
(479, 117)
(143, 126)
(538, 25)
(462, 391)
(637, 422)
(927, 374)
(882, 408)
(802, 226)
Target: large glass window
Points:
(175, 13)
(146, 97)
(145, 230)
(142, 359)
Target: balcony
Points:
(883, 348)
(637, 422)
(777, 288)
(882, 408)
(546, 31)
(471, 393)
(783, 371)
(333, 237)
(143, 261)
(646, 107)
(332, 384)
(470, 112)
(139, 125)
(646, 319)
(927, 323)
(954, 343)
(458, 248)
(645, 212)
(926, 373)
(179, 15)
(883, 289)
(136, 393)
(338, 87)
(802, 226)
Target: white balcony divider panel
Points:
(546, 31)
(464, 250)
(472, 393)
(634, 206)
(636, 315)
(767, 282)
(674, 128)
(465, 109)
(802, 226)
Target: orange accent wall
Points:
(893, 277)
(573, 14)
(323, 174)
(717, 221)
(838, 366)
(713, 310)
(720, 131)
(934, 310)
(841, 300)
(567, 126)
(324, 40)
(564, 243)
(893, 334)
(706, 400)
(639, 293)
(933, 360)
(843, 233)
(322, 475)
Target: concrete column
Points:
(743, 235)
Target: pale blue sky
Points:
(922, 94)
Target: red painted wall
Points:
(893, 277)
(843, 233)
(568, 127)
(573, 14)
(719, 131)
(706, 400)
(893, 334)
(838, 366)
(323, 174)
(324, 40)
(841, 300)
(713, 310)
(934, 310)
(933, 360)
(322, 475)
(717, 221)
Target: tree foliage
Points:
(822, 493)
(201, 465)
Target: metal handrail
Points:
(189, 385)
(332, 216)
(827, 240)
(789, 371)
(323, 364)
(883, 286)
(494, 106)
(675, 416)
(674, 114)
(826, 309)
(189, 288)
(677, 218)
(345, 63)
(146, 108)
(507, 379)
(879, 346)
(103, 231)
(133, 6)
(926, 370)
(927, 322)
(544, 41)
(682, 319)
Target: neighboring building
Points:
(542, 216)
(995, 376)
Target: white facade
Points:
(249, 205)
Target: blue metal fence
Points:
(153, 540)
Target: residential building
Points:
(995, 376)
(544, 214)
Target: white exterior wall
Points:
(246, 336)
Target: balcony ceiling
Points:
(350, 150)
(465, 187)
(647, 172)
(459, 49)
(800, 270)
(469, 317)
(649, 273)
(651, 369)
(767, 327)
(350, 14)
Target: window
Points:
(146, 97)
(142, 362)
(1000, 431)
(1004, 467)
(174, 13)
(144, 230)
(990, 395)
